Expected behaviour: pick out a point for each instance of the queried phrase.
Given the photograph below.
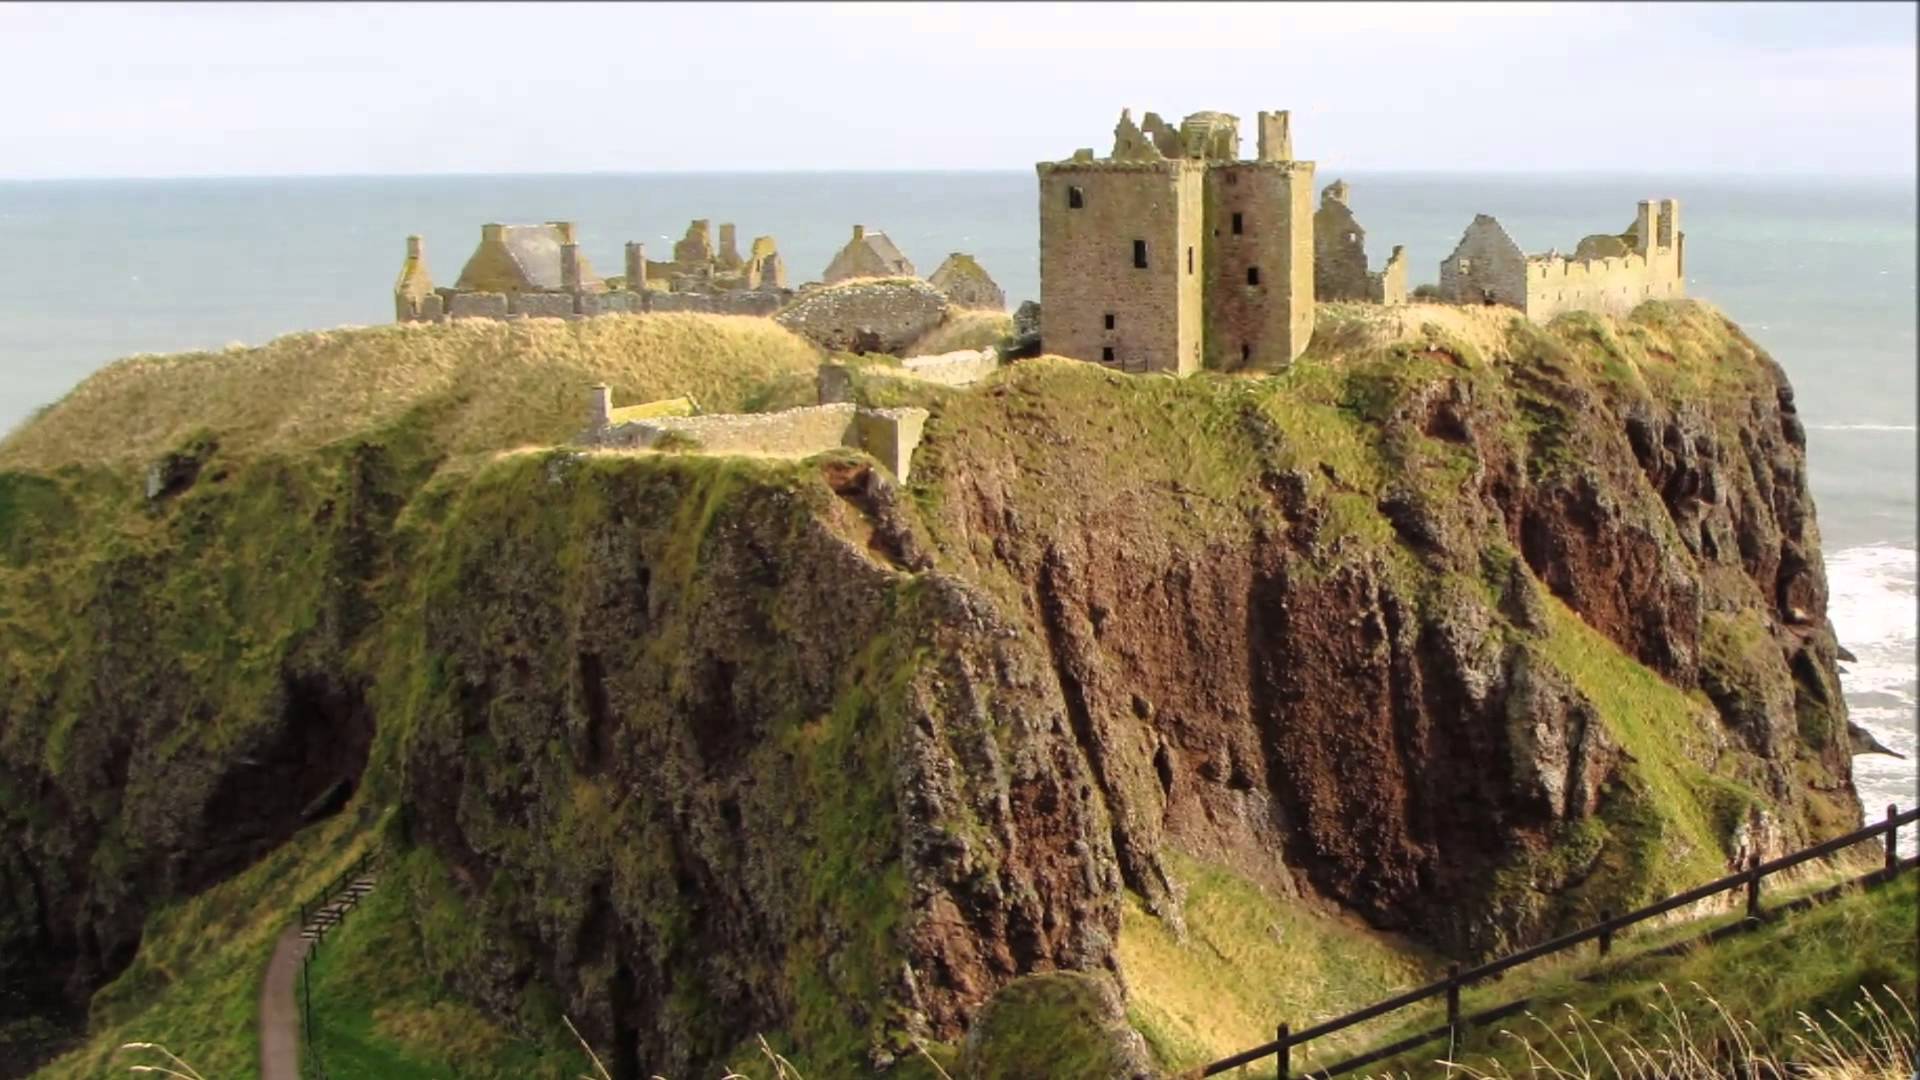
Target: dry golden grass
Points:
(965, 330)
(1875, 1043)
(1342, 328)
(501, 384)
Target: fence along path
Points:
(288, 1047)
(1602, 932)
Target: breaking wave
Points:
(1872, 602)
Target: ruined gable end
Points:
(967, 284)
(867, 254)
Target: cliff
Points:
(1454, 632)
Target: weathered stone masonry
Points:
(538, 271)
(888, 435)
(1172, 253)
(1610, 273)
(1340, 256)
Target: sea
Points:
(1820, 271)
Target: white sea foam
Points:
(1871, 600)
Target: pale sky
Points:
(107, 90)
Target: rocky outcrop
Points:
(1466, 640)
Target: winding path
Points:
(280, 1009)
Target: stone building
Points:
(1173, 253)
(699, 266)
(1607, 272)
(528, 258)
(1340, 256)
(967, 284)
(539, 271)
(868, 254)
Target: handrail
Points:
(1604, 930)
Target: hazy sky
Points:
(95, 90)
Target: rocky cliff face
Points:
(1468, 629)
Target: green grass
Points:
(380, 1011)
(1249, 960)
(1811, 962)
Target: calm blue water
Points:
(1820, 272)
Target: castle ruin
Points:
(1607, 272)
(1340, 256)
(1173, 253)
(539, 271)
(868, 254)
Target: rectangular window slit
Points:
(1237, 224)
(1075, 198)
(1106, 354)
(1253, 275)
(1189, 258)
(1109, 320)
(1139, 254)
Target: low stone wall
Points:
(725, 303)
(558, 305)
(880, 315)
(799, 432)
(889, 435)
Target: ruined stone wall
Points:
(1614, 285)
(866, 315)
(1267, 321)
(1389, 285)
(799, 432)
(1088, 275)
(559, 305)
(968, 284)
(889, 435)
(1485, 266)
(745, 302)
(1339, 253)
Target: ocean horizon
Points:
(1820, 271)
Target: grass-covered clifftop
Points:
(1454, 632)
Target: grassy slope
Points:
(965, 330)
(470, 388)
(287, 417)
(493, 385)
(1812, 962)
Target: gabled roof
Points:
(522, 257)
(883, 249)
(868, 254)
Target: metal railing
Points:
(1602, 932)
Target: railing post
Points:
(1606, 933)
(1284, 1056)
(1893, 830)
(1753, 890)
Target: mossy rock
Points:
(1064, 1025)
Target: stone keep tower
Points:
(1173, 253)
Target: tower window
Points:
(1075, 198)
(1238, 224)
(1109, 320)
(1189, 258)
(1253, 275)
(1246, 352)
(1106, 354)
(1140, 254)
